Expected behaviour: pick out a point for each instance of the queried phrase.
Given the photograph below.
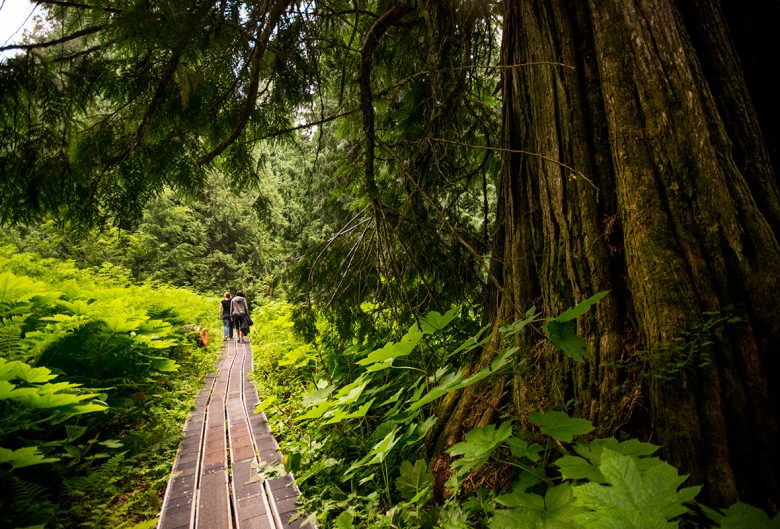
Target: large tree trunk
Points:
(647, 176)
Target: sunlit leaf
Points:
(435, 321)
(165, 365)
(478, 445)
(24, 457)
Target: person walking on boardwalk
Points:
(227, 320)
(239, 310)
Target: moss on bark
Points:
(648, 177)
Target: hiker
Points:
(239, 310)
(227, 320)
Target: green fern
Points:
(11, 338)
(26, 504)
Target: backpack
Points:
(238, 307)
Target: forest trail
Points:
(214, 484)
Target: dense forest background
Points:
(577, 202)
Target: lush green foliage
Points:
(353, 421)
(214, 243)
(96, 376)
(118, 100)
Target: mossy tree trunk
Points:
(638, 166)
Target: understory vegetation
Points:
(97, 375)
(353, 424)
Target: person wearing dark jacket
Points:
(227, 320)
(239, 311)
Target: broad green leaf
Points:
(318, 396)
(380, 450)
(394, 397)
(296, 357)
(15, 288)
(514, 328)
(479, 444)
(24, 457)
(556, 510)
(520, 448)
(6, 389)
(563, 335)
(560, 426)
(118, 324)
(264, 404)
(435, 321)
(319, 411)
(165, 365)
(446, 385)
(573, 467)
(148, 524)
(502, 359)
(111, 443)
(631, 447)
(19, 370)
(73, 432)
(742, 516)
(521, 500)
(632, 499)
(453, 517)
(342, 415)
(344, 520)
(50, 400)
(380, 366)
(351, 392)
(478, 340)
(455, 381)
(562, 330)
(87, 407)
(413, 479)
(581, 308)
(395, 349)
(155, 342)
(417, 431)
(377, 454)
(79, 307)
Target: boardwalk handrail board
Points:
(214, 483)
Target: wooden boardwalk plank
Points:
(215, 483)
(178, 506)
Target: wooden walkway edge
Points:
(214, 483)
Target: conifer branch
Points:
(78, 5)
(261, 45)
(50, 43)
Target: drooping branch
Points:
(277, 10)
(55, 42)
(370, 43)
(78, 5)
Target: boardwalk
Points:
(213, 484)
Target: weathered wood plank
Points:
(213, 506)
(178, 508)
(213, 503)
(215, 483)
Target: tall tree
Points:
(637, 165)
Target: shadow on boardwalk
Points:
(214, 484)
